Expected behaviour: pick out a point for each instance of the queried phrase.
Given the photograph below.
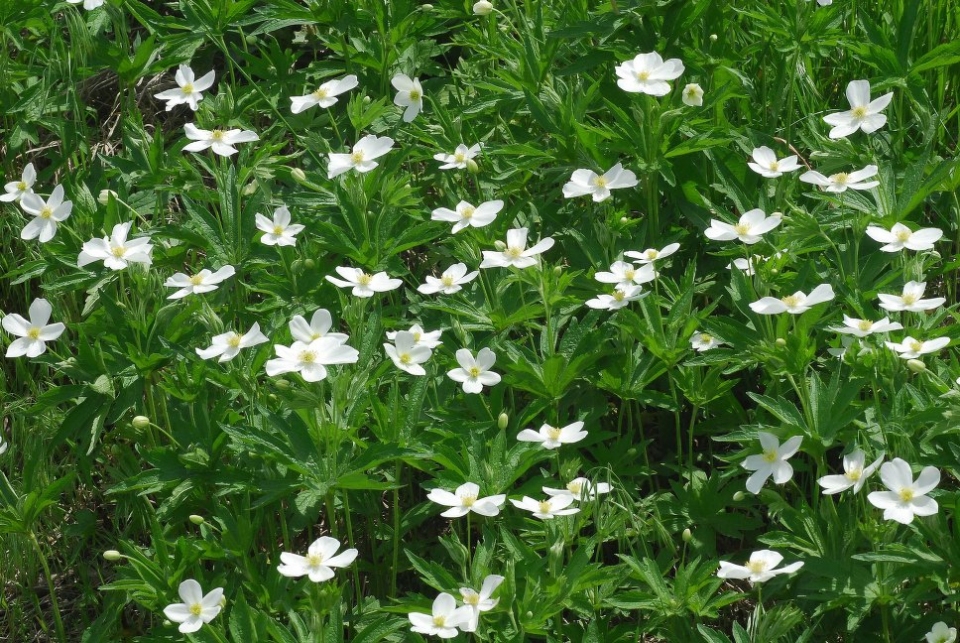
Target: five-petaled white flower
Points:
(516, 253)
(841, 181)
(15, 190)
(466, 499)
(547, 509)
(444, 620)
(47, 214)
(692, 95)
(116, 251)
(900, 236)
(760, 568)
(430, 339)
(772, 462)
(551, 437)
(480, 601)
(460, 158)
(189, 88)
(854, 474)
(319, 562)
(449, 282)
(625, 274)
(319, 326)
(910, 299)
(474, 374)
(864, 114)
(911, 348)
(864, 327)
(362, 157)
(648, 74)
(203, 281)
(905, 498)
(363, 284)
(325, 95)
(584, 182)
(940, 633)
(581, 489)
(196, 609)
(409, 95)
(406, 354)
(467, 215)
(651, 255)
(701, 341)
(222, 141)
(310, 359)
(32, 334)
(752, 225)
(794, 304)
(227, 345)
(279, 232)
(621, 298)
(765, 163)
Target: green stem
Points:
(397, 471)
(61, 632)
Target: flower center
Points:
(790, 300)
(757, 566)
(22, 185)
(864, 325)
(314, 560)
(321, 93)
(33, 333)
(841, 178)
(618, 295)
(460, 157)
(770, 456)
(234, 341)
(629, 273)
(545, 507)
(440, 620)
(216, 135)
(196, 280)
(46, 213)
(600, 182)
(774, 166)
(643, 76)
(916, 346)
(513, 252)
(906, 495)
(854, 474)
(468, 501)
(414, 95)
(118, 251)
(742, 228)
(859, 113)
(364, 279)
(474, 372)
(651, 254)
(705, 339)
(357, 157)
(904, 235)
(416, 337)
(308, 357)
(196, 609)
(553, 433)
(575, 487)
(187, 89)
(405, 358)
(278, 229)
(909, 299)
(471, 599)
(447, 280)
(468, 212)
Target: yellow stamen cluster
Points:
(364, 279)
(196, 280)
(474, 371)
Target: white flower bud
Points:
(197, 520)
(140, 422)
(112, 555)
(104, 197)
(482, 8)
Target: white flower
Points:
(584, 182)
(551, 437)
(480, 601)
(309, 359)
(460, 157)
(747, 265)
(547, 509)
(362, 157)
(189, 90)
(625, 274)
(325, 95)
(221, 141)
(854, 474)
(15, 190)
(203, 281)
(409, 95)
(749, 229)
(759, 569)
(772, 462)
(842, 180)
(701, 341)
(900, 236)
(363, 284)
(48, 214)
(864, 327)
(450, 281)
(467, 215)
(648, 74)
(116, 251)
(692, 95)
(319, 326)
(824, 3)
(88, 4)
(466, 499)
(911, 348)
(905, 498)
(196, 609)
(34, 333)
(765, 163)
(621, 297)
(940, 633)
(864, 114)
(794, 304)
(650, 255)
(444, 621)
(516, 253)
(910, 300)
(319, 562)
(421, 337)
(482, 8)
(580, 488)
(474, 374)
(279, 232)
(406, 354)
(227, 345)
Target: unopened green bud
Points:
(781, 342)
(687, 535)
(112, 555)
(632, 451)
(472, 166)
(298, 175)
(916, 365)
(557, 270)
(282, 384)
(367, 100)
(297, 266)
(250, 188)
(738, 496)
(624, 220)
(503, 420)
(197, 520)
(309, 264)
(140, 422)
(104, 197)
(427, 7)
